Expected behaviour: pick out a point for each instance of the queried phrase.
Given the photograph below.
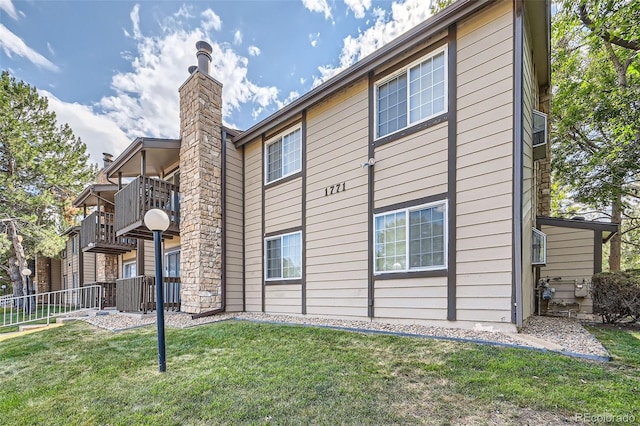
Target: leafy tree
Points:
(596, 106)
(42, 167)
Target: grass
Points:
(250, 373)
(623, 343)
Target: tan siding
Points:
(283, 206)
(233, 216)
(484, 165)
(412, 167)
(171, 243)
(528, 202)
(253, 226)
(56, 274)
(417, 298)
(337, 284)
(283, 299)
(569, 256)
(149, 259)
(89, 267)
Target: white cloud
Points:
(313, 38)
(404, 16)
(50, 48)
(237, 37)
(135, 20)
(254, 50)
(9, 8)
(11, 44)
(211, 21)
(358, 7)
(145, 101)
(97, 131)
(318, 6)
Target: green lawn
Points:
(9, 316)
(622, 343)
(250, 373)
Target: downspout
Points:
(518, 34)
(223, 206)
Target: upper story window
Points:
(283, 155)
(411, 239)
(413, 95)
(74, 244)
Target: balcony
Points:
(138, 294)
(140, 196)
(97, 235)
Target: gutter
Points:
(223, 207)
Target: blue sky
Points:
(112, 68)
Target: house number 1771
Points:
(334, 189)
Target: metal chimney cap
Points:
(192, 69)
(203, 46)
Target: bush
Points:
(616, 296)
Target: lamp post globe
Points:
(156, 220)
(26, 272)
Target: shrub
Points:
(616, 296)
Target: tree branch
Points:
(627, 44)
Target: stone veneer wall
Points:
(41, 278)
(543, 169)
(106, 267)
(200, 193)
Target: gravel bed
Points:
(568, 334)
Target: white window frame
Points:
(405, 70)
(408, 210)
(166, 261)
(74, 244)
(125, 264)
(275, 139)
(266, 262)
(543, 238)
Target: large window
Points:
(172, 264)
(283, 155)
(283, 257)
(74, 244)
(414, 95)
(411, 239)
(129, 270)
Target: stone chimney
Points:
(107, 159)
(201, 187)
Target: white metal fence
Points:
(44, 306)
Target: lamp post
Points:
(27, 274)
(4, 289)
(158, 222)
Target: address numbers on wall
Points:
(334, 189)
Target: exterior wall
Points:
(56, 274)
(336, 225)
(89, 268)
(283, 206)
(570, 255)
(530, 100)
(70, 263)
(253, 177)
(484, 187)
(201, 193)
(233, 231)
(106, 267)
(149, 259)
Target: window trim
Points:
(165, 259)
(543, 261)
(278, 137)
(445, 237)
(290, 280)
(131, 262)
(405, 70)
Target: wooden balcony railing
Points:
(98, 235)
(108, 293)
(138, 294)
(140, 196)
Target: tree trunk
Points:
(20, 259)
(16, 277)
(616, 240)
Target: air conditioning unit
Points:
(539, 135)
